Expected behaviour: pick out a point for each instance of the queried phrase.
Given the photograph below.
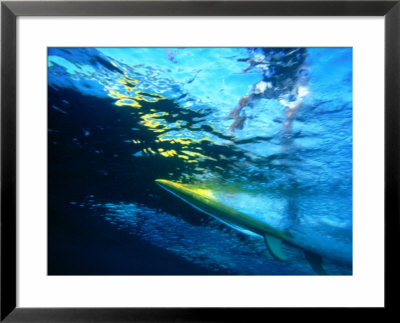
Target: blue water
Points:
(119, 118)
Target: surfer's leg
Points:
(244, 101)
(239, 118)
(238, 114)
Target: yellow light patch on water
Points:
(151, 121)
(132, 101)
(122, 81)
(183, 141)
(130, 79)
(129, 88)
(151, 151)
(187, 153)
(197, 156)
(128, 102)
(169, 153)
(128, 82)
(124, 100)
(116, 95)
(148, 97)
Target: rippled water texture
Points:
(268, 130)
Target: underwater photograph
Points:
(200, 161)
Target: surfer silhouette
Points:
(285, 78)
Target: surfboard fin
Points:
(315, 262)
(274, 245)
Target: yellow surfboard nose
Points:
(160, 181)
(166, 183)
(172, 186)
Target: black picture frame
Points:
(11, 10)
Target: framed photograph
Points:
(197, 160)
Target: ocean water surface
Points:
(267, 130)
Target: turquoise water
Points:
(119, 118)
